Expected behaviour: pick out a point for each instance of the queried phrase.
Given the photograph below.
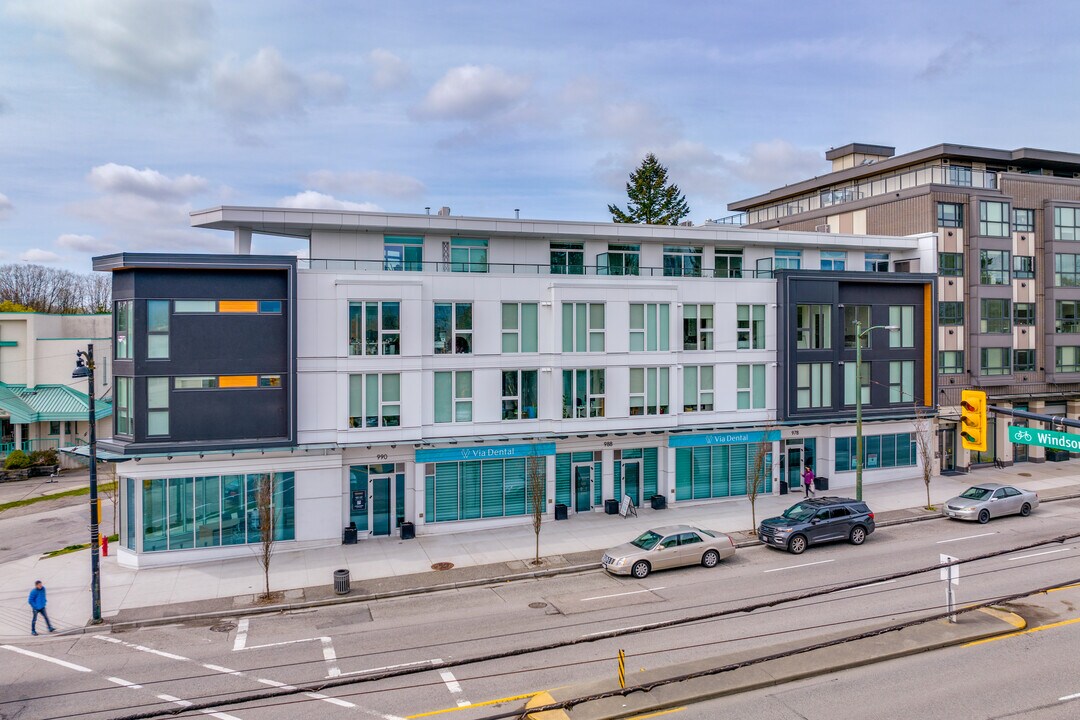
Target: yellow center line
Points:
(1024, 632)
(656, 714)
(473, 705)
(1063, 587)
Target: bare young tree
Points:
(761, 465)
(537, 498)
(264, 504)
(925, 446)
(52, 290)
(109, 486)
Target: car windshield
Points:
(800, 512)
(704, 532)
(646, 540)
(976, 493)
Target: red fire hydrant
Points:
(105, 545)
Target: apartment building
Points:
(425, 369)
(1007, 224)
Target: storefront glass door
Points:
(631, 481)
(582, 487)
(380, 505)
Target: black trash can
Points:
(341, 582)
(348, 535)
(821, 483)
(560, 511)
(611, 507)
(658, 502)
(407, 530)
(783, 487)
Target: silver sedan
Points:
(982, 502)
(667, 547)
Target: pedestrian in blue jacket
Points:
(37, 602)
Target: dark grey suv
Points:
(816, 521)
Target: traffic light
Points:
(973, 420)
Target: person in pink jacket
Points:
(808, 481)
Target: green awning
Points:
(44, 403)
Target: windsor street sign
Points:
(1046, 438)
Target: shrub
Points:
(16, 460)
(48, 456)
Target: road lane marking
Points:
(656, 714)
(1074, 696)
(241, 635)
(1044, 552)
(46, 658)
(453, 686)
(497, 701)
(329, 654)
(124, 683)
(1063, 587)
(1051, 626)
(632, 592)
(966, 537)
(883, 582)
(391, 667)
(792, 567)
(187, 703)
(220, 669)
(605, 632)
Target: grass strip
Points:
(107, 487)
(74, 548)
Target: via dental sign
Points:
(725, 438)
(487, 452)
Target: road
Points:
(93, 676)
(49, 525)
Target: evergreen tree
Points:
(653, 200)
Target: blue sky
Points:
(118, 117)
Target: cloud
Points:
(6, 208)
(151, 46)
(312, 200)
(84, 243)
(266, 88)
(366, 182)
(471, 92)
(388, 71)
(4, 105)
(37, 255)
(775, 163)
(113, 178)
(958, 55)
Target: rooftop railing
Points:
(381, 266)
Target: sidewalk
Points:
(387, 565)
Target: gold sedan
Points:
(668, 547)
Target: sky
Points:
(120, 117)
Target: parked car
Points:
(816, 521)
(668, 547)
(984, 501)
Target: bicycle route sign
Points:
(1045, 438)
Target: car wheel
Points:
(858, 536)
(710, 559)
(1025, 509)
(640, 570)
(796, 545)
(984, 516)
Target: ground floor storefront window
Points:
(473, 489)
(879, 451)
(718, 471)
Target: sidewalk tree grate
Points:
(442, 566)
(537, 605)
(223, 627)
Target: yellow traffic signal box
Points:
(973, 420)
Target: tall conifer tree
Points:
(653, 200)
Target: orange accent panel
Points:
(234, 381)
(238, 306)
(928, 345)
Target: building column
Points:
(63, 435)
(1001, 435)
(1036, 453)
(18, 436)
(417, 495)
(607, 475)
(242, 241)
(549, 474)
(776, 467)
(666, 473)
(1072, 412)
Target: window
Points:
(1068, 316)
(879, 451)
(750, 387)
(453, 328)
(996, 316)
(374, 328)
(620, 260)
(157, 329)
(375, 400)
(697, 388)
(901, 381)
(993, 219)
(1066, 270)
(950, 313)
(697, 327)
(195, 383)
(269, 307)
(833, 259)
(124, 424)
(1067, 359)
(403, 253)
(194, 306)
(1023, 220)
(157, 406)
(682, 261)
(453, 396)
(876, 261)
(951, 362)
(650, 327)
(1023, 361)
(567, 258)
(950, 215)
(468, 255)
(813, 385)
(951, 264)
(270, 381)
(519, 394)
(473, 489)
(649, 390)
(1023, 313)
(994, 361)
(583, 393)
(787, 259)
(764, 268)
(728, 263)
(54, 427)
(750, 333)
(1066, 224)
(856, 320)
(903, 317)
(813, 327)
(994, 267)
(519, 334)
(1023, 266)
(849, 383)
(122, 323)
(582, 327)
(960, 175)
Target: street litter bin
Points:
(659, 502)
(560, 511)
(821, 483)
(611, 507)
(407, 530)
(348, 535)
(341, 582)
(783, 487)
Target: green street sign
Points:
(1046, 438)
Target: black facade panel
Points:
(229, 414)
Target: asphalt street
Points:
(95, 676)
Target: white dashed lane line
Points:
(46, 658)
(792, 567)
(966, 537)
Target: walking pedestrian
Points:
(37, 602)
(808, 481)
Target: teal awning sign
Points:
(722, 438)
(1045, 438)
(490, 452)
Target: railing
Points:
(738, 219)
(29, 446)
(379, 266)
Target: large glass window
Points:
(787, 259)
(583, 393)
(567, 258)
(129, 514)
(481, 488)
(876, 261)
(879, 451)
(993, 219)
(582, 327)
(856, 320)
(901, 381)
(1067, 316)
(697, 327)
(1023, 361)
(1023, 266)
(157, 406)
(849, 383)
(994, 361)
(374, 328)
(453, 396)
(750, 387)
(649, 391)
(1066, 223)
(813, 327)
(403, 253)
(750, 327)
(994, 267)
(650, 327)
(1066, 270)
(951, 264)
(682, 260)
(468, 255)
(697, 388)
(453, 328)
(996, 315)
(124, 398)
(813, 385)
(1023, 220)
(1067, 358)
(951, 362)
(620, 259)
(950, 313)
(157, 329)
(950, 215)
(833, 259)
(1023, 313)
(519, 333)
(519, 395)
(122, 325)
(375, 400)
(728, 263)
(903, 318)
(960, 175)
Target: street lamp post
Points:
(86, 370)
(859, 333)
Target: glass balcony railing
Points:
(602, 269)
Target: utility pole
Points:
(86, 370)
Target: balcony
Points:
(604, 269)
